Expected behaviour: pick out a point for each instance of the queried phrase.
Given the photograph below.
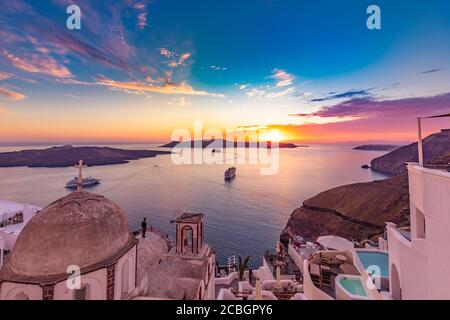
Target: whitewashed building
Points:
(81, 231)
(419, 263)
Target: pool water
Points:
(353, 286)
(379, 259)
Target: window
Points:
(125, 277)
(21, 296)
(187, 240)
(420, 225)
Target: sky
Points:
(137, 70)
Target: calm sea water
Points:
(243, 217)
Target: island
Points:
(377, 147)
(66, 156)
(225, 144)
(434, 146)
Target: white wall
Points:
(9, 291)
(423, 264)
(297, 257)
(97, 286)
(129, 260)
(309, 289)
(210, 290)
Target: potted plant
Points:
(242, 266)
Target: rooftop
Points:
(81, 229)
(151, 250)
(175, 276)
(286, 264)
(190, 217)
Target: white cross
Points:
(80, 167)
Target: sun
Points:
(273, 135)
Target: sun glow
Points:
(273, 135)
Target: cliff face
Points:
(356, 211)
(434, 146)
(360, 210)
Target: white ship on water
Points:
(230, 173)
(86, 182)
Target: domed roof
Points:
(80, 229)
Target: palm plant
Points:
(242, 266)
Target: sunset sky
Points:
(138, 69)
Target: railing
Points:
(232, 262)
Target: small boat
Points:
(86, 182)
(216, 151)
(230, 173)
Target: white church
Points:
(80, 248)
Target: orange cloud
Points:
(135, 87)
(175, 59)
(168, 88)
(11, 94)
(42, 63)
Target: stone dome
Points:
(80, 229)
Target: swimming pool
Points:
(350, 287)
(353, 286)
(375, 258)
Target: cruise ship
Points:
(86, 182)
(230, 173)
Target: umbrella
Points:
(334, 242)
(258, 290)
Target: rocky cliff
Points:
(434, 146)
(360, 210)
(356, 211)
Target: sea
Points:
(243, 217)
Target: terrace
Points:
(344, 275)
(288, 268)
(325, 266)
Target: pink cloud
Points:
(142, 20)
(283, 78)
(139, 6)
(104, 38)
(11, 94)
(374, 108)
(4, 75)
(38, 63)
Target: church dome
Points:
(81, 229)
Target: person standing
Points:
(144, 227)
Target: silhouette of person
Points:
(144, 227)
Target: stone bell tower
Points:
(189, 233)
